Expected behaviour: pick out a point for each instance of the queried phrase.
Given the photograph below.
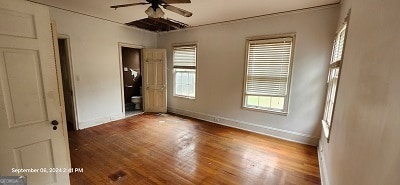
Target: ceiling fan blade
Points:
(176, 1)
(126, 5)
(178, 10)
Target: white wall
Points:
(95, 60)
(364, 146)
(221, 62)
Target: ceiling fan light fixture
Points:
(150, 11)
(154, 11)
(158, 13)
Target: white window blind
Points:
(185, 56)
(268, 73)
(337, 51)
(185, 60)
(268, 67)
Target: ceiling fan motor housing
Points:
(155, 3)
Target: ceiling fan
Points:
(155, 11)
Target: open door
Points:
(155, 80)
(32, 134)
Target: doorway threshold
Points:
(133, 113)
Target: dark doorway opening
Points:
(132, 80)
(67, 81)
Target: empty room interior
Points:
(200, 92)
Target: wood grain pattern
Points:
(170, 149)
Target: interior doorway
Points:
(131, 67)
(67, 81)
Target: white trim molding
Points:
(100, 121)
(322, 165)
(260, 129)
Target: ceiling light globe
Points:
(150, 12)
(159, 13)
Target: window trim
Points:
(335, 64)
(285, 111)
(174, 74)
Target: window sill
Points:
(185, 97)
(326, 129)
(282, 113)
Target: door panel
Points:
(18, 24)
(29, 95)
(20, 72)
(25, 159)
(155, 92)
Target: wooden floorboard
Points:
(171, 149)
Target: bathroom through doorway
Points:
(131, 79)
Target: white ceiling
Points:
(204, 11)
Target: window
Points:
(268, 71)
(333, 78)
(185, 59)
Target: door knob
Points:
(55, 123)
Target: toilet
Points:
(137, 100)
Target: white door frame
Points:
(121, 70)
(71, 76)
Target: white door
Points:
(155, 80)
(29, 95)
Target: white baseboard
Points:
(99, 121)
(261, 129)
(322, 165)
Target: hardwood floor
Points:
(170, 149)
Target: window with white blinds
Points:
(333, 78)
(185, 61)
(338, 45)
(268, 70)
